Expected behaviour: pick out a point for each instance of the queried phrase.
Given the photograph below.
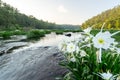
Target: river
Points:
(35, 61)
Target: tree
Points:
(111, 17)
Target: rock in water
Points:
(68, 35)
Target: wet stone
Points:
(40, 63)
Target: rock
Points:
(68, 34)
(7, 47)
(40, 63)
(16, 38)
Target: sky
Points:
(63, 11)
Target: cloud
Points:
(62, 9)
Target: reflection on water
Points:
(50, 40)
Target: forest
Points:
(110, 17)
(12, 19)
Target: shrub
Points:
(35, 34)
(59, 31)
(6, 34)
(47, 31)
(18, 32)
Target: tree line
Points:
(11, 18)
(110, 17)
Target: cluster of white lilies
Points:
(102, 41)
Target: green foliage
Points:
(35, 34)
(11, 19)
(76, 31)
(59, 31)
(47, 31)
(111, 17)
(8, 34)
(5, 34)
(18, 32)
(85, 67)
(86, 58)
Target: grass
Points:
(36, 34)
(8, 34)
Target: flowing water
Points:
(50, 40)
(36, 61)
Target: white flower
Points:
(107, 76)
(112, 48)
(71, 47)
(118, 78)
(72, 59)
(87, 39)
(103, 40)
(89, 45)
(82, 53)
(77, 49)
(118, 50)
(87, 31)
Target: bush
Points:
(76, 31)
(47, 31)
(6, 34)
(18, 32)
(59, 31)
(35, 34)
